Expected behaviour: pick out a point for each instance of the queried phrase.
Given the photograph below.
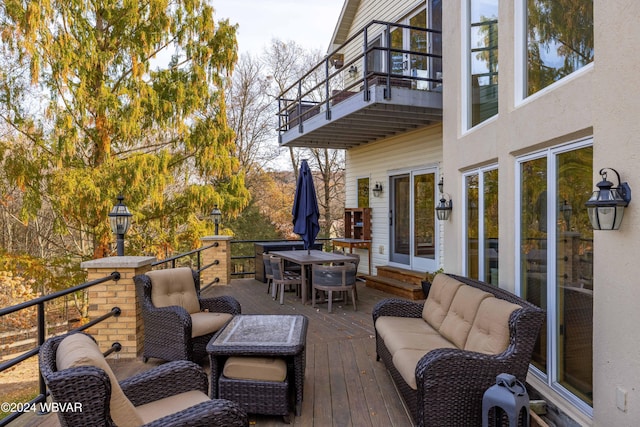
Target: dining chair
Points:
(268, 272)
(334, 278)
(282, 278)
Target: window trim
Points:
(550, 154)
(481, 253)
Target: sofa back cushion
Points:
(462, 312)
(174, 286)
(442, 291)
(489, 333)
(81, 350)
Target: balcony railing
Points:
(373, 58)
(42, 327)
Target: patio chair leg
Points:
(330, 299)
(353, 298)
(281, 294)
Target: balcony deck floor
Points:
(344, 384)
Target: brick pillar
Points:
(220, 253)
(127, 329)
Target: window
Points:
(559, 40)
(483, 60)
(363, 192)
(481, 240)
(555, 264)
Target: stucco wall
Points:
(603, 101)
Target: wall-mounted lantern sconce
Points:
(216, 216)
(353, 71)
(120, 220)
(377, 189)
(606, 205)
(443, 210)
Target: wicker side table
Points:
(282, 336)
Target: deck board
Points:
(344, 384)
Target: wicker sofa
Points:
(444, 353)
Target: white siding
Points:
(377, 160)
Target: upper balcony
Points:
(384, 80)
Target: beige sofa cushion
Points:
(174, 286)
(170, 405)
(203, 323)
(412, 341)
(462, 312)
(80, 350)
(389, 325)
(443, 289)
(489, 333)
(255, 368)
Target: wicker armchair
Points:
(173, 394)
(451, 381)
(178, 324)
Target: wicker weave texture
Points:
(90, 386)
(451, 382)
(167, 330)
(257, 397)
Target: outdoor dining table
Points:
(306, 258)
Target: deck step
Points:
(396, 287)
(402, 274)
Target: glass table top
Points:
(261, 330)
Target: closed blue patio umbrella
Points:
(305, 208)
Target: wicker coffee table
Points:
(268, 335)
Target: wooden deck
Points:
(344, 384)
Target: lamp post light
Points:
(120, 220)
(216, 216)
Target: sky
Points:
(308, 22)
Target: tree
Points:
(251, 115)
(134, 105)
(287, 62)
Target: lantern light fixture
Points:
(443, 210)
(606, 205)
(120, 221)
(216, 216)
(377, 189)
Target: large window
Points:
(559, 38)
(556, 264)
(481, 210)
(483, 60)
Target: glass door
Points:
(412, 220)
(407, 40)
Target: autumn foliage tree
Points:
(132, 103)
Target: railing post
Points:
(300, 127)
(326, 88)
(127, 328)
(220, 253)
(365, 65)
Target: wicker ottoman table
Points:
(259, 384)
(271, 336)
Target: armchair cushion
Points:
(81, 350)
(170, 405)
(203, 323)
(174, 286)
(386, 326)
